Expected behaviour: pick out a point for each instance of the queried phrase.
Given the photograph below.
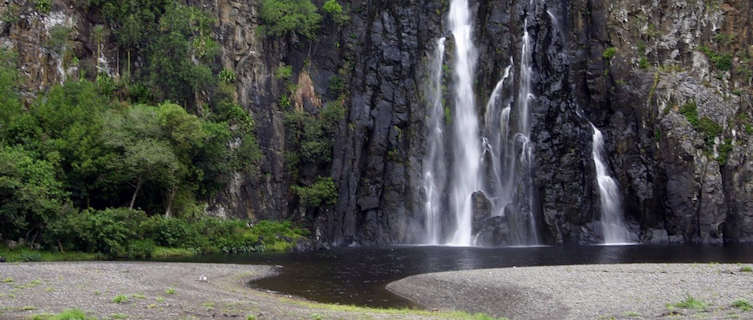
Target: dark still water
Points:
(358, 276)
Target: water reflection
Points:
(358, 275)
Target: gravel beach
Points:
(631, 291)
(159, 291)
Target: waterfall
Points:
(499, 163)
(497, 130)
(467, 152)
(514, 197)
(609, 193)
(434, 175)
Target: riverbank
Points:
(626, 291)
(150, 290)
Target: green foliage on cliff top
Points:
(283, 17)
(335, 11)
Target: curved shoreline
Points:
(157, 290)
(623, 291)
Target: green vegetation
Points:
(120, 299)
(69, 314)
(251, 317)
(743, 305)
(116, 316)
(227, 76)
(690, 111)
(454, 315)
(335, 11)
(746, 269)
(169, 291)
(85, 169)
(609, 53)
(323, 192)
(284, 72)
(691, 303)
(706, 126)
(722, 61)
(43, 6)
(285, 17)
(31, 255)
(643, 63)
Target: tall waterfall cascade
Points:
(434, 175)
(465, 124)
(489, 154)
(612, 221)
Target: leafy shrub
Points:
(690, 111)
(283, 17)
(643, 63)
(609, 53)
(141, 249)
(323, 192)
(710, 129)
(227, 75)
(722, 61)
(284, 72)
(106, 231)
(335, 11)
(43, 6)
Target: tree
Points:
(146, 156)
(283, 17)
(335, 11)
(30, 196)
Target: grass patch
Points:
(28, 308)
(251, 317)
(746, 269)
(691, 303)
(169, 291)
(8, 280)
(743, 305)
(30, 255)
(118, 316)
(454, 315)
(120, 299)
(165, 252)
(138, 296)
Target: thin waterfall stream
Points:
(434, 175)
(612, 222)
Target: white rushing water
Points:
(434, 175)
(609, 194)
(467, 153)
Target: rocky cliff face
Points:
(636, 69)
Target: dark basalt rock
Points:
(481, 208)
